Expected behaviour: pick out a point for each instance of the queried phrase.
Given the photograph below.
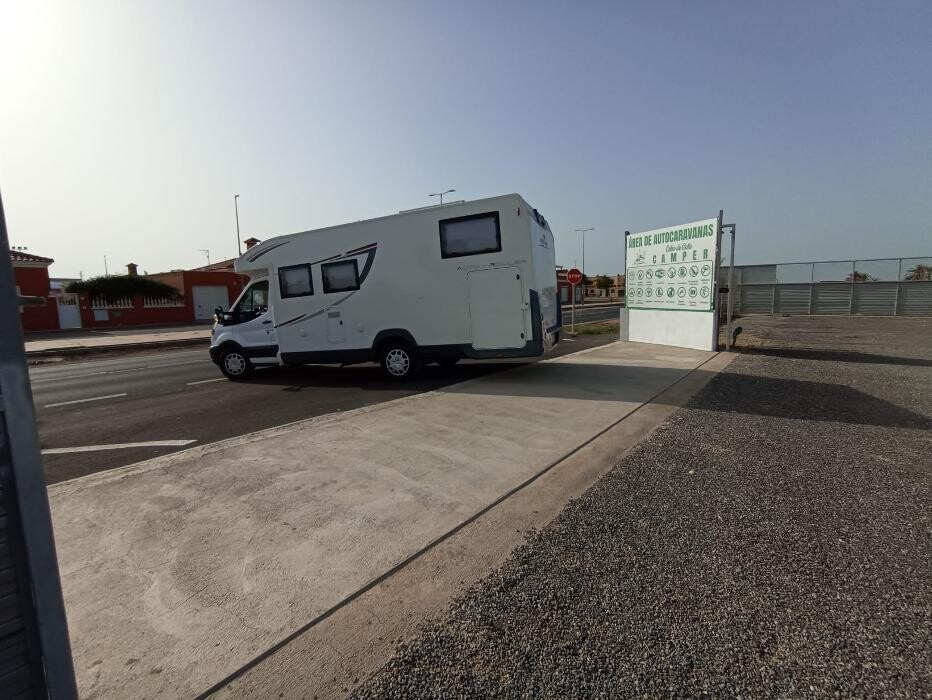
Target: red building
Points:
(203, 290)
(31, 276)
(590, 291)
(199, 292)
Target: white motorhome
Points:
(461, 280)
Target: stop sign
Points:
(574, 276)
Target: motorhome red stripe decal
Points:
(295, 319)
(323, 260)
(263, 252)
(361, 250)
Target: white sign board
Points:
(670, 285)
(672, 268)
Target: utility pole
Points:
(440, 194)
(106, 272)
(239, 243)
(583, 232)
(206, 251)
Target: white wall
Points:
(685, 329)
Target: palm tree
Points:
(860, 277)
(919, 273)
(603, 282)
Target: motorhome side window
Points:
(340, 276)
(254, 302)
(470, 235)
(295, 281)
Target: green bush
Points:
(114, 287)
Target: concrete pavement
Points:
(179, 570)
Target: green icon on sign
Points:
(650, 274)
(693, 292)
(706, 269)
(670, 292)
(660, 274)
(640, 274)
(682, 292)
(640, 291)
(694, 271)
(704, 292)
(649, 291)
(672, 272)
(683, 271)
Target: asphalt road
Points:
(181, 397)
(584, 315)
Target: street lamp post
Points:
(583, 232)
(239, 243)
(440, 194)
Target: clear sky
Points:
(128, 126)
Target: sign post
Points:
(574, 277)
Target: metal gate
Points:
(69, 311)
(880, 287)
(208, 297)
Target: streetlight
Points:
(440, 194)
(206, 252)
(239, 243)
(583, 232)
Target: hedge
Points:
(114, 287)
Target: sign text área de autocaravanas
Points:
(672, 268)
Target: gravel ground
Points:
(772, 538)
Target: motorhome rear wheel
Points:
(399, 360)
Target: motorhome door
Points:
(496, 308)
(254, 323)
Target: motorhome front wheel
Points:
(235, 365)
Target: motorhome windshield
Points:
(253, 303)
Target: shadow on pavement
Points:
(840, 356)
(754, 395)
(369, 377)
(804, 400)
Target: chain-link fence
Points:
(877, 287)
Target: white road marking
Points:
(118, 446)
(205, 381)
(567, 340)
(93, 398)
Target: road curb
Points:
(53, 354)
(580, 307)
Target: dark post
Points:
(35, 653)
